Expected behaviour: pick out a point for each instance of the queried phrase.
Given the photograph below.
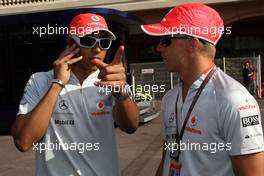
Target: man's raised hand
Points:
(113, 74)
(62, 66)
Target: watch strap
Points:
(119, 97)
(58, 81)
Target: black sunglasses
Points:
(166, 40)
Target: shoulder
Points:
(169, 97)
(41, 79)
(230, 93)
(42, 76)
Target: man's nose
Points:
(96, 48)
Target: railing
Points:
(22, 2)
(152, 78)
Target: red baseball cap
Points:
(88, 23)
(193, 19)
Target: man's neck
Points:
(81, 73)
(192, 73)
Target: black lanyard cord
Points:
(187, 117)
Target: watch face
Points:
(60, 82)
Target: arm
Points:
(126, 114)
(243, 130)
(250, 74)
(160, 168)
(247, 165)
(30, 127)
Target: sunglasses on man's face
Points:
(90, 42)
(166, 40)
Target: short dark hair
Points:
(245, 63)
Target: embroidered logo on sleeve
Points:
(250, 121)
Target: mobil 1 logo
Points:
(250, 120)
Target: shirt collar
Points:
(90, 79)
(197, 83)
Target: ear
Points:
(195, 45)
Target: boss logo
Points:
(250, 121)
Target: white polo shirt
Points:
(224, 122)
(80, 139)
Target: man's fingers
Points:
(70, 55)
(74, 52)
(74, 60)
(111, 69)
(116, 84)
(68, 49)
(118, 56)
(113, 77)
(98, 63)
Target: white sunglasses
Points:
(88, 41)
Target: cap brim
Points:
(160, 30)
(111, 34)
(155, 29)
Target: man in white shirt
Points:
(211, 123)
(67, 113)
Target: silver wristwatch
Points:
(58, 81)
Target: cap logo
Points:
(95, 18)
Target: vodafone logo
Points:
(245, 107)
(95, 18)
(193, 120)
(100, 105)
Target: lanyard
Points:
(198, 93)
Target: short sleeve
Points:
(241, 124)
(30, 97)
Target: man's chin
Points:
(94, 68)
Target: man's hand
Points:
(62, 66)
(112, 75)
(126, 112)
